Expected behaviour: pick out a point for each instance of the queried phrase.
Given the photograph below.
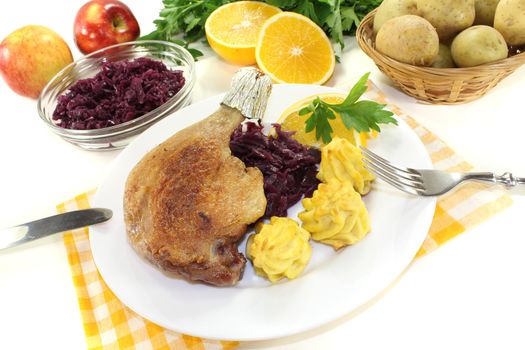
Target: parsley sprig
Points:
(362, 116)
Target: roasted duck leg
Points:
(188, 202)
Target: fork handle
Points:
(506, 179)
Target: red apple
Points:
(102, 23)
(30, 57)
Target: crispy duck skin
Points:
(189, 201)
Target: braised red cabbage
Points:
(120, 92)
(288, 167)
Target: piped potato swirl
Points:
(279, 249)
(341, 160)
(335, 215)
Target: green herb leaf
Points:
(305, 110)
(357, 90)
(349, 18)
(323, 129)
(361, 116)
(311, 123)
(194, 52)
(191, 22)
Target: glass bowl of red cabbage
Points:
(105, 99)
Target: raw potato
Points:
(449, 17)
(510, 21)
(478, 45)
(485, 10)
(393, 8)
(444, 58)
(409, 39)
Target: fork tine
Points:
(398, 185)
(393, 179)
(413, 179)
(386, 163)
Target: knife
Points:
(13, 236)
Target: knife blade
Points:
(16, 235)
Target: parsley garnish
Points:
(362, 116)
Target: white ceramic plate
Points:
(333, 284)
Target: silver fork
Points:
(424, 182)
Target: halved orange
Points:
(291, 48)
(232, 29)
(290, 120)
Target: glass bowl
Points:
(117, 136)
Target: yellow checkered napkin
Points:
(108, 324)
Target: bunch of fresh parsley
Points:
(186, 18)
(361, 116)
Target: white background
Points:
(467, 294)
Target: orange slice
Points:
(291, 48)
(232, 29)
(290, 120)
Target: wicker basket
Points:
(437, 85)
